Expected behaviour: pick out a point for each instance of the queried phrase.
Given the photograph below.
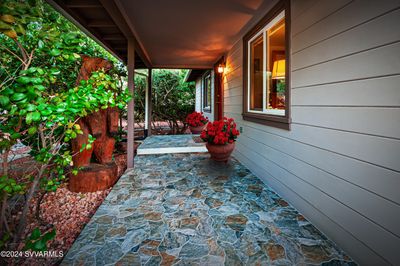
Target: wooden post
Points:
(149, 91)
(131, 104)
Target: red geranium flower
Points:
(220, 132)
(196, 119)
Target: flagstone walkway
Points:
(184, 209)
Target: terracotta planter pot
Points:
(220, 153)
(197, 130)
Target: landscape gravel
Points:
(68, 212)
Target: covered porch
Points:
(175, 36)
(173, 206)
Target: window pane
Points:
(276, 62)
(256, 74)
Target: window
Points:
(207, 92)
(266, 61)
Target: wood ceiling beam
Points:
(83, 4)
(120, 48)
(81, 23)
(120, 20)
(119, 42)
(101, 24)
(113, 37)
(116, 43)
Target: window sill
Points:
(281, 122)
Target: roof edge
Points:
(82, 28)
(194, 74)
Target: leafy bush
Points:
(56, 42)
(38, 241)
(173, 99)
(40, 103)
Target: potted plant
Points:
(220, 137)
(197, 122)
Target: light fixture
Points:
(279, 69)
(221, 68)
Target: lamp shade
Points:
(278, 69)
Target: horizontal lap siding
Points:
(198, 95)
(352, 41)
(340, 163)
(371, 63)
(233, 81)
(385, 123)
(307, 14)
(353, 93)
(312, 151)
(345, 18)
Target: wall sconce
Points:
(221, 68)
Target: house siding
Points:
(199, 97)
(340, 163)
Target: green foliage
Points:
(38, 241)
(29, 107)
(38, 95)
(16, 15)
(4, 239)
(10, 187)
(40, 104)
(88, 145)
(46, 122)
(56, 42)
(173, 99)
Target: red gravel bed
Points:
(68, 212)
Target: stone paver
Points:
(171, 144)
(184, 209)
(169, 141)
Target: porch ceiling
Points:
(189, 34)
(168, 34)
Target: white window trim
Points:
(263, 31)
